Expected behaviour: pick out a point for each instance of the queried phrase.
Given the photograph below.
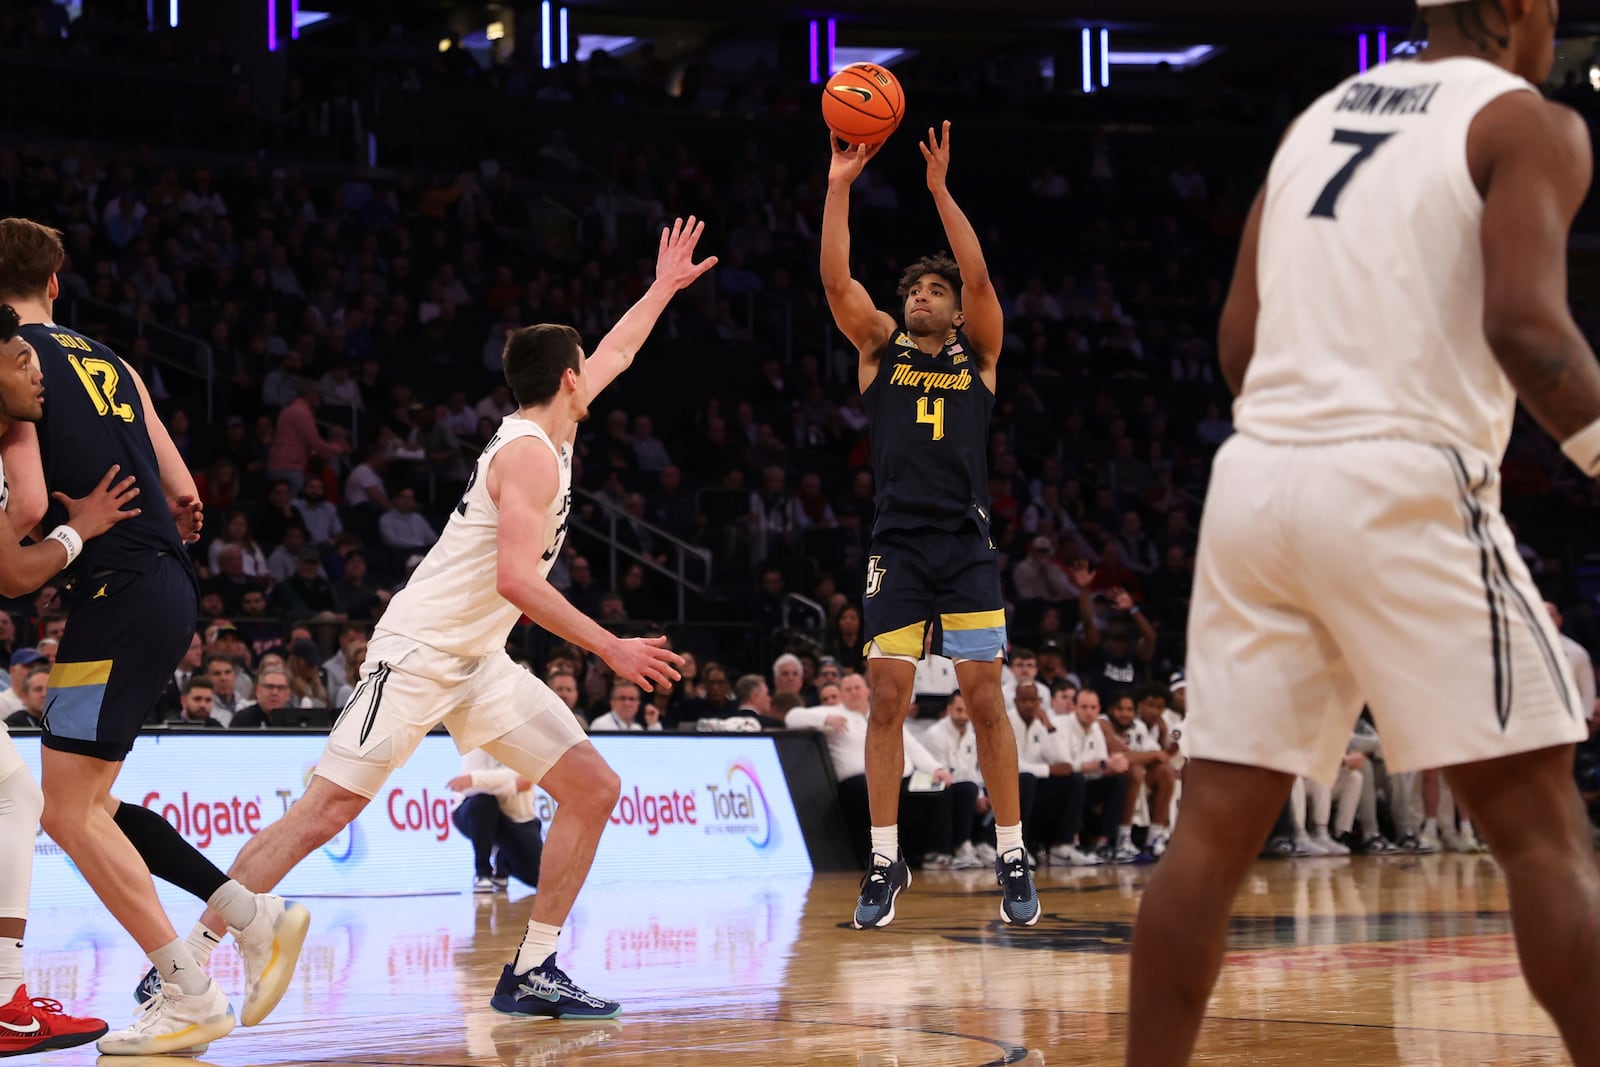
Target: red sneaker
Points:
(34, 1024)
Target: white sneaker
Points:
(1428, 841)
(270, 945)
(483, 885)
(1304, 846)
(966, 858)
(1157, 846)
(986, 853)
(1072, 857)
(1327, 846)
(938, 861)
(171, 1022)
(1470, 842)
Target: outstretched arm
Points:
(853, 310)
(675, 270)
(980, 305)
(523, 481)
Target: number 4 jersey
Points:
(930, 437)
(453, 602)
(94, 417)
(1370, 269)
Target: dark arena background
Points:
(353, 202)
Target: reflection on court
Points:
(1403, 961)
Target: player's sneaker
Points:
(36, 1024)
(270, 944)
(938, 861)
(546, 992)
(482, 885)
(966, 858)
(1073, 857)
(1327, 846)
(1378, 845)
(500, 882)
(1420, 846)
(986, 854)
(148, 986)
(884, 880)
(1019, 901)
(173, 1022)
(1122, 852)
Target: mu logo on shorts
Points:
(875, 573)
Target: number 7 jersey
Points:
(1370, 269)
(94, 417)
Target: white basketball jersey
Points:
(1370, 270)
(453, 602)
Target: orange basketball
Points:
(863, 103)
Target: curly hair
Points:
(1471, 22)
(939, 263)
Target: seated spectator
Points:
(788, 676)
(754, 706)
(402, 527)
(308, 594)
(954, 744)
(346, 680)
(284, 560)
(1110, 659)
(623, 715)
(1106, 775)
(1039, 579)
(564, 684)
(225, 702)
(195, 707)
(309, 685)
(496, 816)
(272, 696)
(230, 583)
(22, 660)
(355, 596)
(1149, 768)
(252, 562)
(317, 513)
(1024, 665)
(261, 631)
(35, 692)
(846, 640)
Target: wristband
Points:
(1583, 448)
(1102, 765)
(68, 538)
(1134, 610)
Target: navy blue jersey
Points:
(94, 417)
(930, 437)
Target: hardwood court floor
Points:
(1335, 961)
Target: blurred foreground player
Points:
(1352, 547)
(928, 390)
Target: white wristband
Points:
(1583, 448)
(68, 539)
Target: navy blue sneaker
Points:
(883, 882)
(1019, 901)
(148, 987)
(547, 992)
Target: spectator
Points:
(35, 691)
(403, 528)
(846, 641)
(188, 667)
(496, 815)
(1040, 580)
(308, 594)
(225, 703)
(285, 559)
(755, 703)
(272, 696)
(355, 595)
(252, 562)
(317, 513)
(355, 655)
(309, 684)
(787, 675)
(194, 709)
(296, 440)
(624, 712)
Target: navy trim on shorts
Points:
(1499, 621)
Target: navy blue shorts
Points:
(126, 633)
(915, 577)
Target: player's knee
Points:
(891, 701)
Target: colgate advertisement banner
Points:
(690, 807)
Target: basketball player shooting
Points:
(928, 391)
(1401, 283)
(438, 655)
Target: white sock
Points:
(10, 968)
(886, 841)
(1125, 835)
(538, 945)
(1007, 838)
(1160, 833)
(1319, 831)
(202, 942)
(235, 903)
(1430, 826)
(176, 966)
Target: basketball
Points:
(863, 103)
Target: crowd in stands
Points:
(353, 321)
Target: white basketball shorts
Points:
(407, 688)
(1377, 572)
(10, 758)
